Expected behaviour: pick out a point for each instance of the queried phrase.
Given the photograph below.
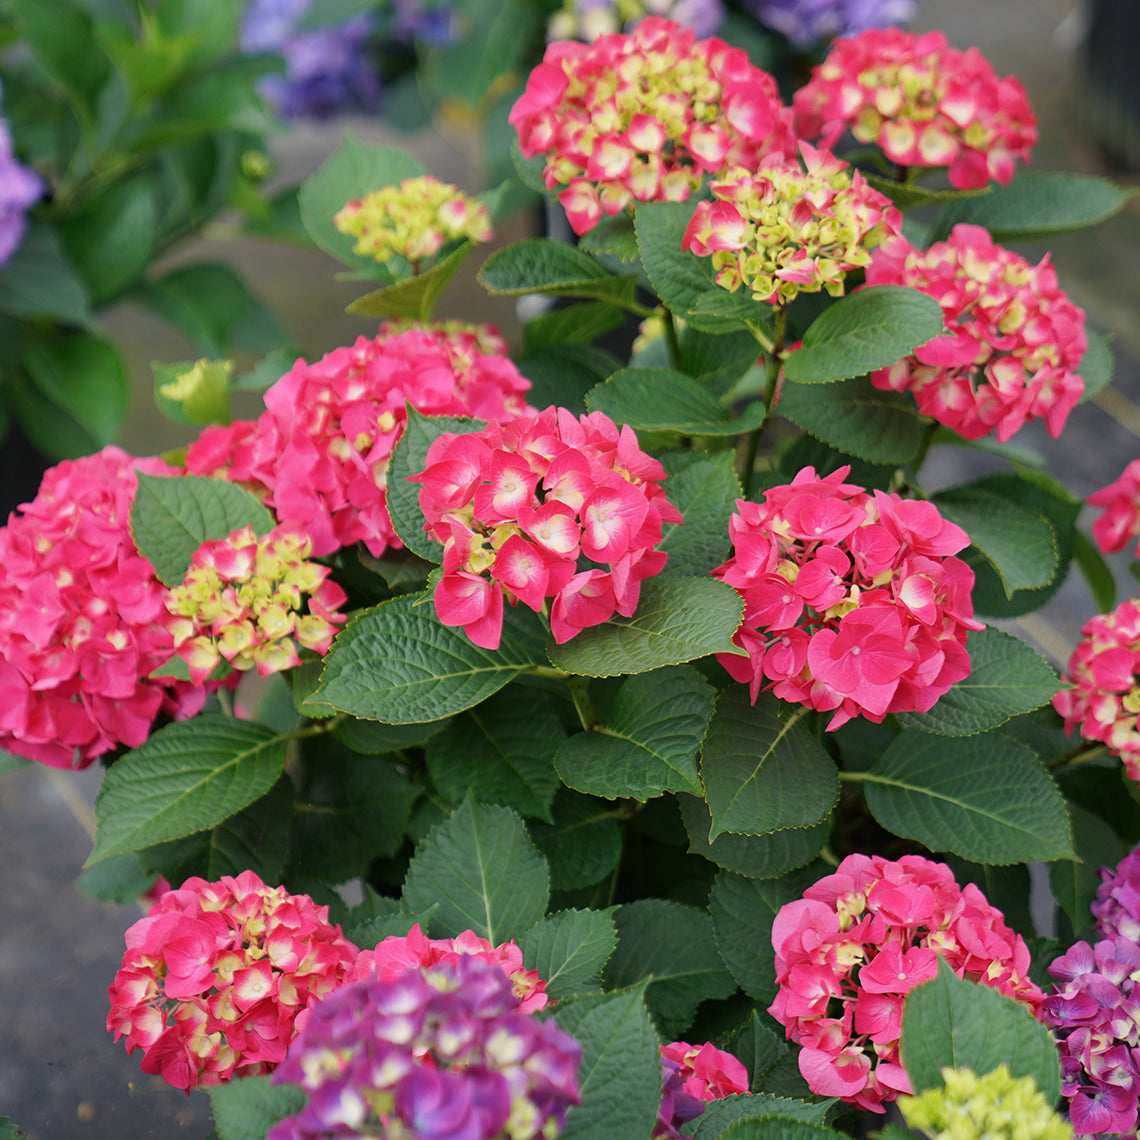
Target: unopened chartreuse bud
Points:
(996, 1106)
(413, 220)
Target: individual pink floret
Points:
(643, 116)
(319, 454)
(519, 506)
(853, 603)
(82, 623)
(396, 954)
(1103, 697)
(1120, 522)
(857, 943)
(923, 102)
(215, 975)
(1013, 344)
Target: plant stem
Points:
(771, 390)
(671, 338)
(1080, 755)
(581, 699)
(547, 671)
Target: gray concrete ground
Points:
(61, 1077)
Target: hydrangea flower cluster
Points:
(318, 455)
(808, 22)
(1104, 698)
(643, 117)
(327, 70)
(857, 943)
(1120, 522)
(923, 102)
(691, 1076)
(436, 1053)
(852, 602)
(789, 229)
(240, 601)
(1092, 1012)
(82, 622)
(516, 507)
(589, 19)
(1013, 344)
(396, 954)
(995, 1106)
(20, 188)
(412, 219)
(1117, 905)
(215, 975)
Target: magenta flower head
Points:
(857, 943)
(1013, 344)
(852, 602)
(1117, 905)
(518, 505)
(808, 22)
(215, 975)
(82, 622)
(440, 1052)
(1094, 1012)
(1103, 699)
(319, 454)
(691, 1076)
(1119, 523)
(644, 117)
(924, 103)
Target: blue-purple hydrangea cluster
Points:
(440, 1053)
(19, 189)
(809, 22)
(588, 19)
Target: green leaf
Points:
(614, 237)
(704, 490)
(569, 949)
(1097, 364)
(172, 516)
(1007, 677)
(776, 1128)
(649, 742)
(247, 1109)
(187, 777)
(763, 768)
(500, 752)
(720, 1114)
(949, 1021)
(368, 933)
(677, 620)
(757, 856)
(193, 392)
(210, 25)
(758, 1048)
(398, 664)
(742, 911)
(541, 265)
(119, 879)
(62, 40)
(564, 375)
(1017, 541)
(575, 324)
(854, 416)
(1074, 883)
(39, 281)
(620, 1074)
(9, 1131)
(480, 866)
(1098, 574)
(717, 360)
(371, 738)
(675, 947)
(658, 399)
(410, 458)
(986, 798)
(417, 296)
(680, 278)
(582, 845)
(1035, 206)
(869, 329)
(908, 195)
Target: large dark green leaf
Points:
(569, 949)
(415, 297)
(1074, 883)
(39, 281)
(540, 265)
(563, 375)
(582, 845)
(704, 489)
(248, 1108)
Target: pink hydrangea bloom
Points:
(396, 954)
(693, 1075)
(1013, 344)
(518, 505)
(1120, 522)
(789, 228)
(214, 977)
(852, 602)
(240, 601)
(642, 117)
(923, 102)
(319, 454)
(1104, 698)
(857, 943)
(82, 623)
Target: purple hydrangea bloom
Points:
(807, 22)
(19, 189)
(441, 1052)
(327, 70)
(1117, 906)
(677, 1106)
(432, 21)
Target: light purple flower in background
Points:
(432, 21)
(20, 188)
(327, 70)
(1117, 905)
(807, 22)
